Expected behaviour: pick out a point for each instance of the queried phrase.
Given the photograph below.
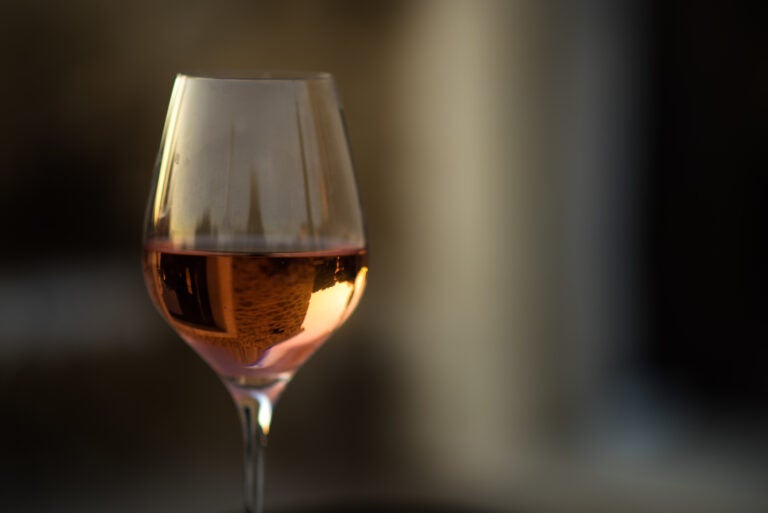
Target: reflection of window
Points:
(185, 290)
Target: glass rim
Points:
(259, 75)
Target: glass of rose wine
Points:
(254, 246)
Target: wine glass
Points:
(254, 246)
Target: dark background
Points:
(566, 308)
(706, 205)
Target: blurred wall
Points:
(508, 159)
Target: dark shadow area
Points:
(391, 507)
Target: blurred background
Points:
(566, 206)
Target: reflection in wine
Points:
(255, 318)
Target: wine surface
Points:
(255, 317)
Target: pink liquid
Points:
(255, 318)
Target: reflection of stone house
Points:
(241, 303)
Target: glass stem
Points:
(255, 408)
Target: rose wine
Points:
(255, 318)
